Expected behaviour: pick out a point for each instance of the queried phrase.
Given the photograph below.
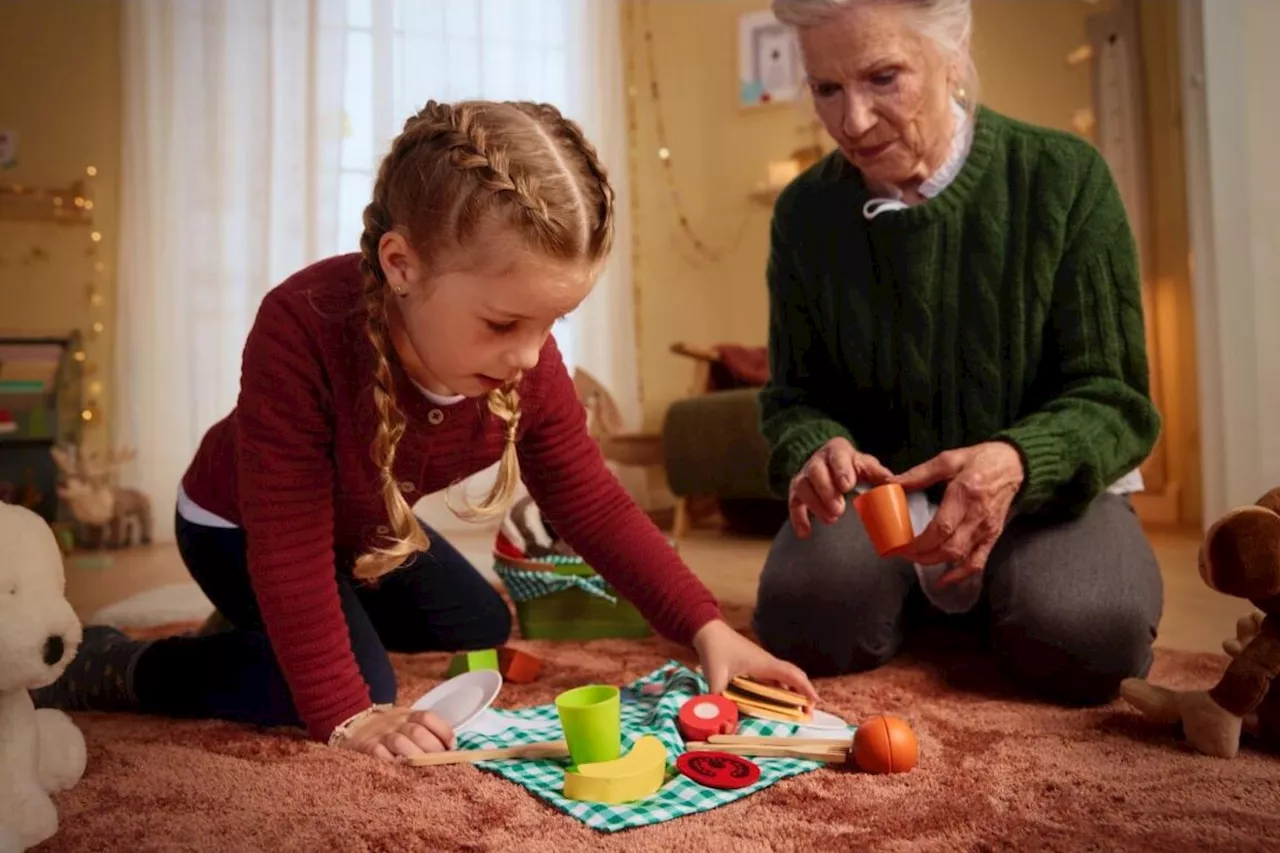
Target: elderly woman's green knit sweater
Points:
(1007, 308)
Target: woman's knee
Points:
(1079, 653)
(824, 646)
(828, 604)
(1075, 606)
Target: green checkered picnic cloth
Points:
(526, 585)
(641, 714)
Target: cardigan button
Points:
(406, 487)
(436, 417)
(383, 530)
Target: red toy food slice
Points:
(719, 769)
(704, 716)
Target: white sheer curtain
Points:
(252, 131)
(229, 182)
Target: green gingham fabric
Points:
(525, 585)
(641, 714)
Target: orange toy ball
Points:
(885, 744)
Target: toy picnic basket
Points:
(557, 595)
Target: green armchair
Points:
(713, 450)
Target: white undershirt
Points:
(197, 514)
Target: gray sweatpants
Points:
(1068, 608)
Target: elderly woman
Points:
(954, 306)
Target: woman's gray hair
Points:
(947, 23)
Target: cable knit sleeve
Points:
(1099, 422)
(286, 475)
(589, 508)
(794, 415)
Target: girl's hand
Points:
(399, 733)
(726, 654)
(829, 475)
(983, 481)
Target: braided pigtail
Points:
(504, 404)
(455, 177)
(409, 537)
(597, 203)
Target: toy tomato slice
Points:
(719, 769)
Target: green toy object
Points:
(591, 717)
(472, 661)
(562, 598)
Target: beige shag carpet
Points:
(996, 772)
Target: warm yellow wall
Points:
(60, 63)
(719, 153)
(1021, 46)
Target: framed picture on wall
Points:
(769, 69)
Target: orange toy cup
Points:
(885, 744)
(885, 515)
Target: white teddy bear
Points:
(41, 751)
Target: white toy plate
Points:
(461, 699)
(821, 721)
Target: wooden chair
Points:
(703, 359)
(604, 422)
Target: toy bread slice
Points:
(757, 692)
(779, 713)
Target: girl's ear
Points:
(400, 264)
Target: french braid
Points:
(453, 168)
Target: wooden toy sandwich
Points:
(768, 702)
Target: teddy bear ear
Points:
(1240, 555)
(1271, 500)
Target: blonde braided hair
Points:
(453, 169)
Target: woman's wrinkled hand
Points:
(982, 482)
(398, 733)
(829, 475)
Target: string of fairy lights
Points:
(91, 413)
(663, 152)
(74, 206)
(703, 247)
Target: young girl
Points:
(368, 381)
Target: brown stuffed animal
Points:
(1240, 556)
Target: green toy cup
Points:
(592, 720)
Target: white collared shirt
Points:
(890, 198)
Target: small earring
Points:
(403, 294)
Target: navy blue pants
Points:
(436, 602)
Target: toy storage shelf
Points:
(39, 408)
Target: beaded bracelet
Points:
(340, 733)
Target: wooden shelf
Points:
(44, 419)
